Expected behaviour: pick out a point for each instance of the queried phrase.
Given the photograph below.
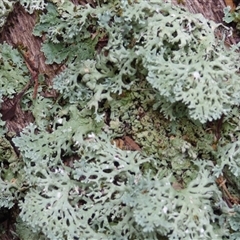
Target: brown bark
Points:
(210, 9)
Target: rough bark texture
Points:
(212, 9)
(18, 31)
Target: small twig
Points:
(9, 113)
(32, 69)
(218, 129)
(226, 194)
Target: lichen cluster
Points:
(145, 70)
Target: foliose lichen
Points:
(155, 61)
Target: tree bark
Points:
(212, 10)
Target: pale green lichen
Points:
(5, 8)
(178, 55)
(71, 182)
(32, 5)
(13, 70)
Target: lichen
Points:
(145, 70)
(5, 8)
